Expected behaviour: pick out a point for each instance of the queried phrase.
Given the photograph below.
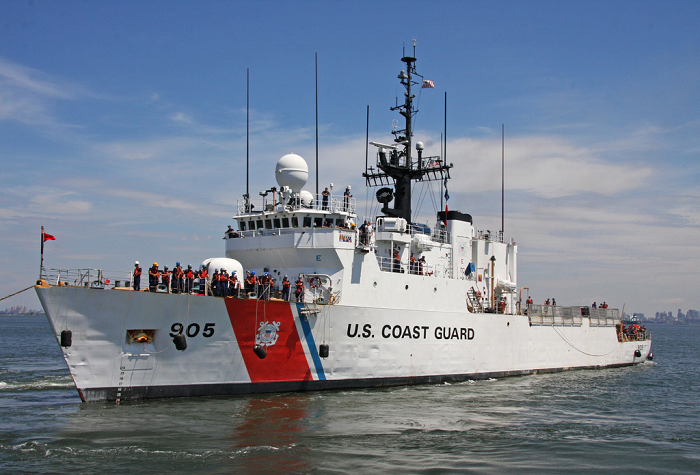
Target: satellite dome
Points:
(307, 198)
(292, 171)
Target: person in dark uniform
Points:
(189, 279)
(165, 278)
(346, 199)
(137, 276)
(153, 275)
(223, 283)
(286, 285)
(325, 195)
(215, 283)
(178, 278)
(253, 282)
(299, 293)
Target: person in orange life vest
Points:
(203, 274)
(165, 278)
(286, 285)
(253, 282)
(264, 286)
(412, 266)
(397, 262)
(189, 279)
(299, 293)
(153, 275)
(234, 284)
(546, 302)
(215, 283)
(223, 283)
(247, 282)
(178, 275)
(137, 276)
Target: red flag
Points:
(48, 237)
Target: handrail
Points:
(334, 204)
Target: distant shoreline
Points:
(22, 314)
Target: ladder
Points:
(474, 301)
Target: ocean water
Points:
(637, 420)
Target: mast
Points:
(395, 162)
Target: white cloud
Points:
(542, 165)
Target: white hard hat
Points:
(136, 263)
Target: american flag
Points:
(427, 84)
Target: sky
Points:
(123, 129)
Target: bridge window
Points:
(318, 222)
(285, 222)
(259, 224)
(307, 221)
(276, 222)
(295, 222)
(268, 224)
(242, 225)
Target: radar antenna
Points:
(395, 164)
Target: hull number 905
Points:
(193, 329)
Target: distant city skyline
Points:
(124, 129)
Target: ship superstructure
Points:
(376, 301)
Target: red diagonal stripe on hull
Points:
(285, 359)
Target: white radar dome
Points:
(218, 263)
(292, 171)
(307, 198)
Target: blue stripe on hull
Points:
(312, 345)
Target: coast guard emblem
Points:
(267, 333)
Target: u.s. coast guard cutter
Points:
(402, 304)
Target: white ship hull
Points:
(369, 347)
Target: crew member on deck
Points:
(346, 199)
(286, 287)
(215, 283)
(178, 277)
(137, 276)
(165, 278)
(153, 275)
(253, 282)
(203, 274)
(326, 194)
(234, 284)
(299, 293)
(189, 279)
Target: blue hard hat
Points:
(177, 263)
(267, 273)
(252, 273)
